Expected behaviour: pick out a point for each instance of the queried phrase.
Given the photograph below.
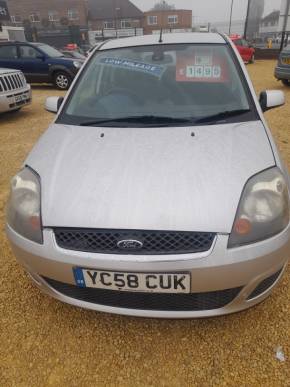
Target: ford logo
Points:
(130, 244)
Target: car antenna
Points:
(160, 38)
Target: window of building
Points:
(126, 24)
(34, 18)
(73, 14)
(109, 24)
(172, 19)
(53, 16)
(152, 20)
(8, 52)
(16, 19)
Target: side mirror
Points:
(41, 57)
(271, 99)
(53, 104)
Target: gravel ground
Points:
(46, 343)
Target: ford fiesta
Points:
(158, 190)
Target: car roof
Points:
(12, 42)
(168, 38)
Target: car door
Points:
(247, 51)
(240, 47)
(33, 64)
(9, 57)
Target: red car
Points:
(246, 51)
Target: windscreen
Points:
(50, 51)
(180, 82)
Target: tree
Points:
(163, 6)
(64, 21)
(26, 23)
(45, 23)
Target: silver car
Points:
(15, 92)
(158, 191)
(282, 70)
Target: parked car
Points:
(246, 50)
(282, 70)
(14, 90)
(40, 63)
(158, 190)
(73, 54)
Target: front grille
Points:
(265, 285)
(11, 82)
(149, 242)
(148, 301)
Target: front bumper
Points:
(216, 270)
(282, 72)
(15, 99)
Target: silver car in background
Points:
(15, 92)
(282, 70)
(158, 191)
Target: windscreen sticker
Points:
(129, 64)
(201, 68)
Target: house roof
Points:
(111, 9)
(273, 16)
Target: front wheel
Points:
(62, 80)
(286, 82)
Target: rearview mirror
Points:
(53, 104)
(271, 99)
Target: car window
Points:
(178, 81)
(8, 52)
(50, 51)
(245, 43)
(28, 52)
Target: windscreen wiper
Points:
(148, 120)
(222, 116)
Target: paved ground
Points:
(46, 343)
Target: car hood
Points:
(4, 71)
(65, 60)
(151, 178)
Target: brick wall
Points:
(24, 8)
(99, 24)
(183, 20)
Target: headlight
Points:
(263, 209)
(77, 64)
(23, 208)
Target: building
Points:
(113, 14)
(237, 27)
(48, 13)
(283, 15)
(168, 20)
(55, 22)
(269, 26)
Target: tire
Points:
(286, 82)
(62, 80)
(252, 60)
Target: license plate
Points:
(286, 61)
(20, 98)
(133, 282)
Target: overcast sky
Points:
(210, 10)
